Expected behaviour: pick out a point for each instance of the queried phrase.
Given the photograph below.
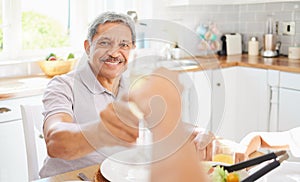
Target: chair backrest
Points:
(35, 144)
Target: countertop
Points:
(278, 63)
(22, 86)
(34, 85)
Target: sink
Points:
(184, 64)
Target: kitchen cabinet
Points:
(196, 102)
(202, 98)
(253, 98)
(234, 100)
(13, 161)
(288, 112)
(285, 103)
(224, 102)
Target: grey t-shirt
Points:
(79, 94)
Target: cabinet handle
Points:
(4, 110)
(218, 84)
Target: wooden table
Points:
(91, 171)
(72, 176)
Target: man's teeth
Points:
(112, 63)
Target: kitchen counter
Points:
(34, 85)
(278, 63)
(22, 86)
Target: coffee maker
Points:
(271, 45)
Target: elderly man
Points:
(83, 124)
(75, 135)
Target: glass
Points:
(223, 151)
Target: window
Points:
(35, 28)
(45, 24)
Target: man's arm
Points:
(68, 140)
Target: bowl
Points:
(58, 67)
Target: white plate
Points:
(125, 166)
(287, 172)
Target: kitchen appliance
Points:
(270, 44)
(231, 44)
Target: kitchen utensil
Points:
(83, 177)
(254, 161)
(52, 68)
(277, 157)
(266, 169)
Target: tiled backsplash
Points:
(247, 19)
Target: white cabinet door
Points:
(13, 160)
(234, 100)
(289, 101)
(246, 102)
(225, 101)
(13, 166)
(253, 96)
(289, 107)
(201, 100)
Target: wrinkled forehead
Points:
(114, 32)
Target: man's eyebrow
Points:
(127, 41)
(104, 38)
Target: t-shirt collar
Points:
(90, 81)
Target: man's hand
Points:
(120, 122)
(203, 144)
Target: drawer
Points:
(11, 107)
(290, 80)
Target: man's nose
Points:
(114, 51)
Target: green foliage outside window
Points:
(40, 31)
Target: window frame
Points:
(82, 12)
(12, 35)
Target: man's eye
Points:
(124, 45)
(104, 43)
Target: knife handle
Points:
(262, 171)
(250, 162)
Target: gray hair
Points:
(111, 17)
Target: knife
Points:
(83, 177)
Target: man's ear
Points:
(87, 47)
